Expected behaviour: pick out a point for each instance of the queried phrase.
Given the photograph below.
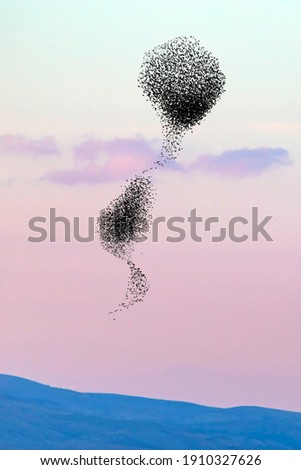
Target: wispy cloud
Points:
(7, 182)
(17, 144)
(98, 160)
(242, 162)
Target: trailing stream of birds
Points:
(183, 82)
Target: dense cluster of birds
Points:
(183, 82)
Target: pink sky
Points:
(220, 326)
(221, 323)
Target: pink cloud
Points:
(136, 147)
(98, 160)
(242, 162)
(19, 144)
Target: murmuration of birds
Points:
(183, 82)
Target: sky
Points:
(221, 323)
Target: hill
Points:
(36, 416)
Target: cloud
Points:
(98, 160)
(6, 183)
(243, 162)
(16, 144)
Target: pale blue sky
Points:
(70, 68)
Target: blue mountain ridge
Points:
(36, 416)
